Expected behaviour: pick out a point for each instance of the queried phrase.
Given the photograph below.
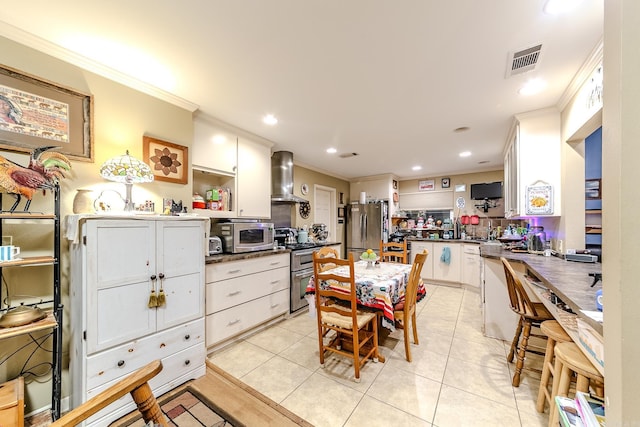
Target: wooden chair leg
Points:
(546, 374)
(522, 349)
(514, 343)
(356, 355)
(415, 330)
(147, 405)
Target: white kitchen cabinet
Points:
(499, 321)
(532, 156)
(116, 267)
(471, 265)
(240, 295)
(447, 272)
(254, 180)
(215, 148)
(416, 248)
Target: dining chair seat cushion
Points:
(399, 306)
(344, 322)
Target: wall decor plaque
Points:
(539, 199)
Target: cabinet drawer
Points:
(471, 249)
(231, 269)
(228, 293)
(176, 369)
(114, 363)
(226, 323)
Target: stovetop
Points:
(298, 246)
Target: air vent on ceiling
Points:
(345, 155)
(523, 60)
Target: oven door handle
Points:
(302, 273)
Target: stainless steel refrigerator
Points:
(367, 225)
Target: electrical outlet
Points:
(7, 240)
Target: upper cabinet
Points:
(234, 163)
(531, 162)
(254, 180)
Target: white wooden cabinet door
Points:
(120, 259)
(180, 260)
(214, 148)
(427, 268)
(441, 270)
(253, 180)
(471, 265)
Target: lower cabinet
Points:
(241, 295)
(471, 265)
(443, 263)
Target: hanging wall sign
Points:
(539, 199)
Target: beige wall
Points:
(121, 117)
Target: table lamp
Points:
(127, 170)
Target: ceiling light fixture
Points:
(465, 154)
(270, 120)
(416, 168)
(557, 7)
(532, 87)
(331, 150)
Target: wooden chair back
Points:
(388, 254)
(327, 252)
(322, 270)
(136, 383)
(411, 292)
(518, 298)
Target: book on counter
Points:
(582, 411)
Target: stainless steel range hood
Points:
(282, 178)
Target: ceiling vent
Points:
(523, 60)
(346, 155)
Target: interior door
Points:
(325, 210)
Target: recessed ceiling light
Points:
(461, 129)
(331, 150)
(532, 87)
(219, 139)
(416, 168)
(270, 119)
(556, 7)
(465, 154)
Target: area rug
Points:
(184, 407)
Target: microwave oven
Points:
(238, 237)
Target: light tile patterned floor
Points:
(458, 377)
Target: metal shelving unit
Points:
(53, 320)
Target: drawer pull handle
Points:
(275, 263)
(187, 337)
(120, 363)
(233, 322)
(274, 305)
(233, 271)
(230, 294)
(187, 362)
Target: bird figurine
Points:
(44, 171)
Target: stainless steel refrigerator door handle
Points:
(366, 223)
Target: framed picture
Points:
(446, 182)
(395, 184)
(592, 189)
(168, 161)
(426, 185)
(539, 200)
(36, 113)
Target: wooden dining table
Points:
(380, 287)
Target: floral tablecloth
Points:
(381, 287)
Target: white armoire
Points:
(137, 294)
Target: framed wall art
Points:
(168, 161)
(446, 182)
(592, 189)
(36, 113)
(539, 199)
(427, 185)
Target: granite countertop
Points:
(426, 239)
(569, 280)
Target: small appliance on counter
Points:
(215, 245)
(319, 232)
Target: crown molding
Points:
(584, 73)
(30, 40)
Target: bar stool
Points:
(570, 360)
(555, 334)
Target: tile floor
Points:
(458, 377)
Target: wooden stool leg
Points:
(582, 384)
(546, 373)
(147, 405)
(522, 349)
(514, 344)
(553, 410)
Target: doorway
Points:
(325, 209)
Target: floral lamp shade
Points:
(127, 170)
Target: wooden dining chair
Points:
(531, 314)
(356, 331)
(137, 384)
(394, 252)
(405, 310)
(328, 252)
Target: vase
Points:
(83, 202)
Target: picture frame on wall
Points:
(427, 185)
(446, 182)
(168, 161)
(35, 113)
(592, 189)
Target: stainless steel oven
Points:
(301, 272)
